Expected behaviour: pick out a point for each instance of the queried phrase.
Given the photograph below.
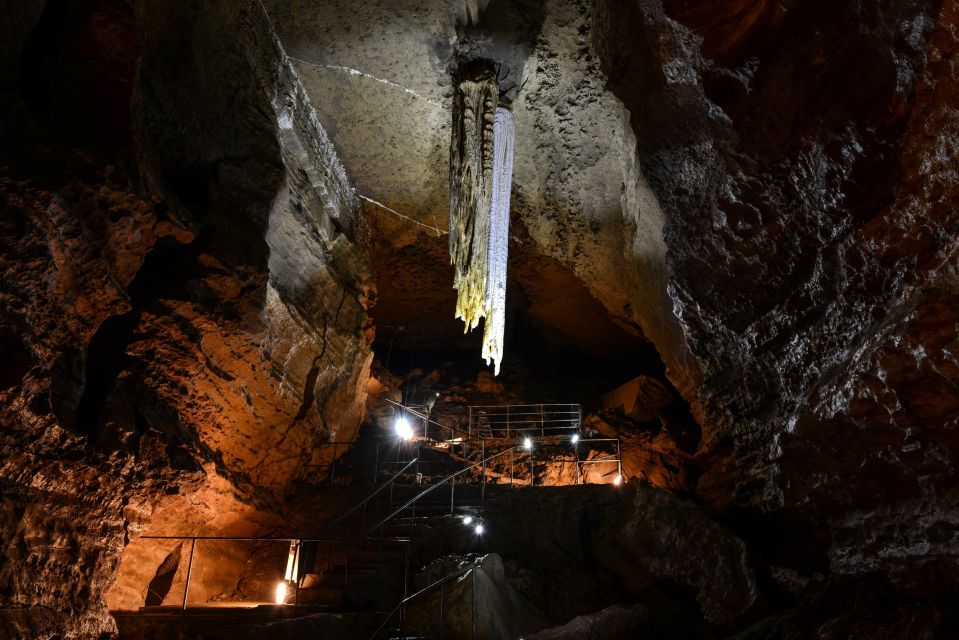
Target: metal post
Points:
(452, 496)
(442, 611)
(296, 573)
(579, 472)
(483, 485)
(376, 463)
(542, 420)
(511, 451)
(507, 421)
(406, 571)
(619, 459)
(189, 572)
(333, 465)
(473, 600)
(469, 425)
(416, 468)
(532, 478)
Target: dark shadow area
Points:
(17, 360)
(159, 587)
(171, 271)
(77, 74)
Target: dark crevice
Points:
(788, 539)
(169, 271)
(17, 359)
(105, 359)
(308, 391)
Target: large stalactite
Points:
(481, 165)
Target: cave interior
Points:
(236, 399)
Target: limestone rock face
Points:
(573, 551)
(617, 621)
(485, 595)
(809, 199)
(641, 399)
(185, 309)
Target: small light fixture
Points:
(281, 592)
(575, 438)
(618, 480)
(478, 528)
(403, 429)
(528, 444)
(468, 520)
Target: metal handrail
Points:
(496, 421)
(340, 518)
(423, 416)
(432, 488)
(372, 495)
(432, 587)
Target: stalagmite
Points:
(481, 167)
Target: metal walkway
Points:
(359, 562)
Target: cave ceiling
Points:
(379, 76)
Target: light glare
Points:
(468, 520)
(478, 529)
(618, 480)
(528, 444)
(403, 428)
(281, 593)
(575, 438)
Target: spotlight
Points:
(575, 438)
(478, 528)
(281, 593)
(468, 520)
(618, 480)
(403, 429)
(528, 444)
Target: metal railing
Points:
(449, 429)
(440, 584)
(334, 552)
(360, 507)
(531, 459)
(520, 420)
(339, 466)
(451, 479)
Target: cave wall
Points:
(184, 303)
(803, 155)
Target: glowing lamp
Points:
(468, 520)
(575, 438)
(403, 429)
(281, 592)
(478, 529)
(618, 480)
(527, 444)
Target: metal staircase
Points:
(359, 563)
